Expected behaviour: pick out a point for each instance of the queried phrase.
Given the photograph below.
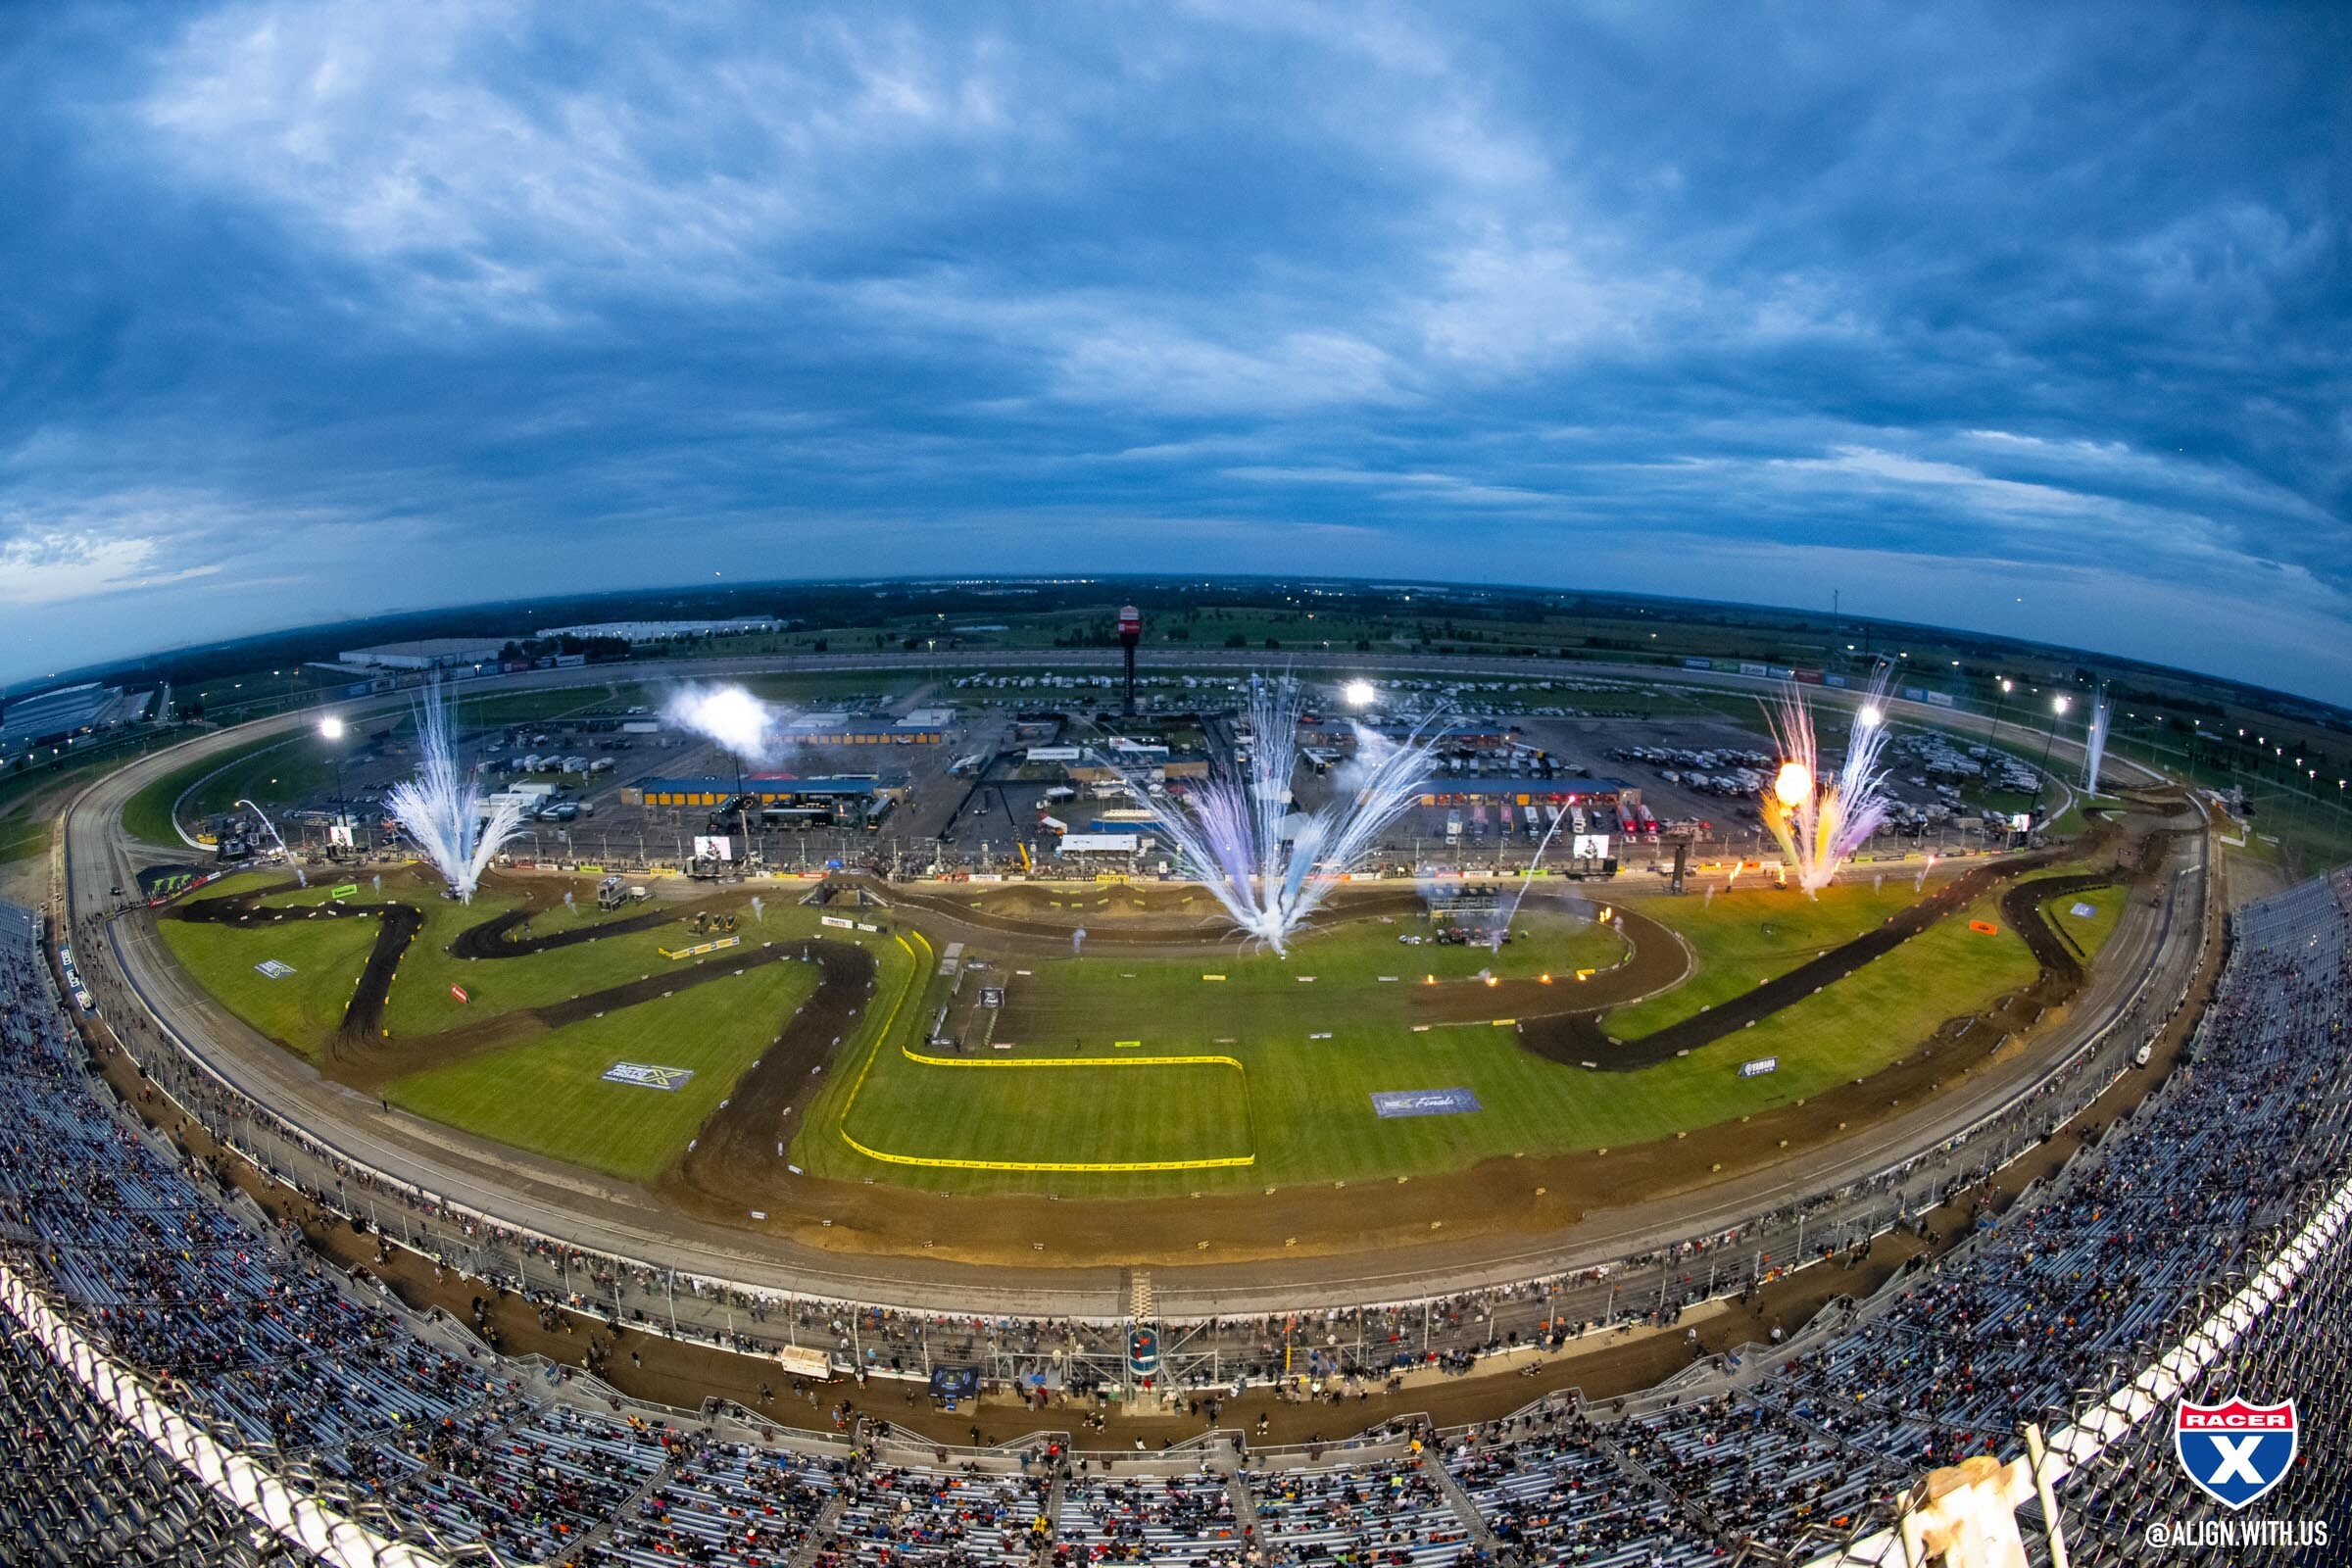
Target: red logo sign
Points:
(458, 992)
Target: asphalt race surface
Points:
(2153, 952)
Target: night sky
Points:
(2027, 319)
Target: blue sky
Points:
(2027, 319)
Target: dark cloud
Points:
(2012, 317)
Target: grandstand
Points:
(210, 1392)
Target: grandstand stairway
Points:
(1055, 1496)
(1244, 1508)
(1689, 1508)
(1479, 1531)
(583, 1548)
(821, 1534)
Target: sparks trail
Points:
(441, 808)
(1819, 824)
(1231, 831)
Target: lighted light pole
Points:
(332, 729)
(2058, 705)
(1999, 703)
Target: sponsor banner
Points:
(1751, 667)
(275, 969)
(644, 1077)
(1939, 699)
(1985, 928)
(82, 992)
(458, 992)
(349, 890)
(1699, 664)
(159, 884)
(864, 927)
(1759, 1067)
(839, 922)
(2083, 911)
(701, 948)
(992, 995)
(1424, 1103)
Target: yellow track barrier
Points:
(922, 967)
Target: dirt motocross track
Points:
(737, 1172)
(736, 1168)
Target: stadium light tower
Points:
(332, 729)
(1131, 632)
(2058, 707)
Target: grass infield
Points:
(1746, 936)
(1313, 1053)
(548, 1095)
(301, 1011)
(1298, 1046)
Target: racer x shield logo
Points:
(2235, 1452)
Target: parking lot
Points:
(1522, 760)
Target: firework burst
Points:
(1820, 822)
(1269, 867)
(441, 808)
(2094, 747)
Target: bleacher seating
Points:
(1167, 1521)
(2073, 1291)
(1389, 1511)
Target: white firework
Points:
(441, 808)
(2094, 747)
(1269, 867)
(1820, 822)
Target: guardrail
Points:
(236, 1480)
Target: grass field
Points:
(301, 1011)
(1889, 1005)
(998, 1111)
(327, 956)
(1746, 936)
(31, 798)
(2090, 932)
(22, 835)
(548, 1094)
(1309, 1114)
(1296, 1046)
(273, 770)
